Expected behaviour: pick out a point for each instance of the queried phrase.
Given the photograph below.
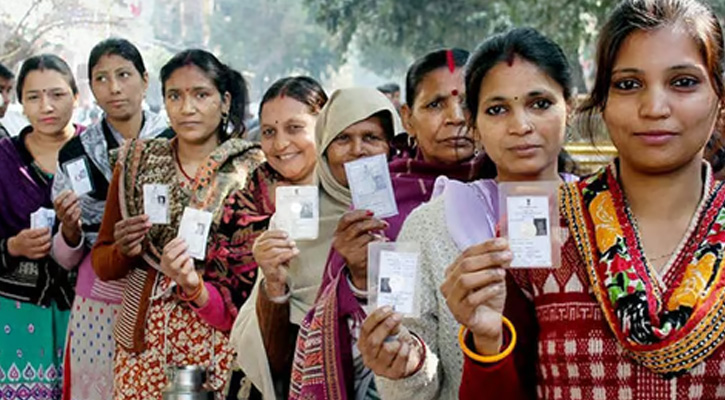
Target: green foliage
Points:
(270, 39)
(410, 28)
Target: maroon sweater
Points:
(566, 350)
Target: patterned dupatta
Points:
(668, 330)
(319, 367)
(153, 162)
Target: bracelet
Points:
(194, 296)
(488, 359)
(422, 352)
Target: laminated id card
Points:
(393, 276)
(297, 211)
(529, 219)
(156, 203)
(371, 186)
(80, 176)
(194, 229)
(43, 218)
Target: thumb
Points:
(191, 277)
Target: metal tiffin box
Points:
(187, 383)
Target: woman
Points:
(160, 326)
(434, 118)
(288, 112)
(438, 139)
(35, 293)
(519, 94)
(355, 123)
(640, 278)
(118, 81)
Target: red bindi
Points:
(454, 92)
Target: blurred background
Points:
(339, 42)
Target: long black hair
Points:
(226, 80)
(5, 73)
(44, 62)
(532, 46)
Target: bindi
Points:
(454, 92)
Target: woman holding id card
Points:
(439, 143)
(118, 82)
(163, 199)
(287, 113)
(354, 124)
(35, 292)
(636, 308)
(518, 92)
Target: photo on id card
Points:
(156, 203)
(393, 275)
(529, 219)
(297, 211)
(371, 186)
(80, 175)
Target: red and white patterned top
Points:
(566, 349)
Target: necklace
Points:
(181, 168)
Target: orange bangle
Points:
(194, 296)
(488, 359)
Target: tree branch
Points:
(59, 24)
(25, 17)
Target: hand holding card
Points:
(129, 234)
(371, 186)
(178, 265)
(272, 251)
(43, 218)
(68, 210)
(475, 290)
(354, 231)
(33, 244)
